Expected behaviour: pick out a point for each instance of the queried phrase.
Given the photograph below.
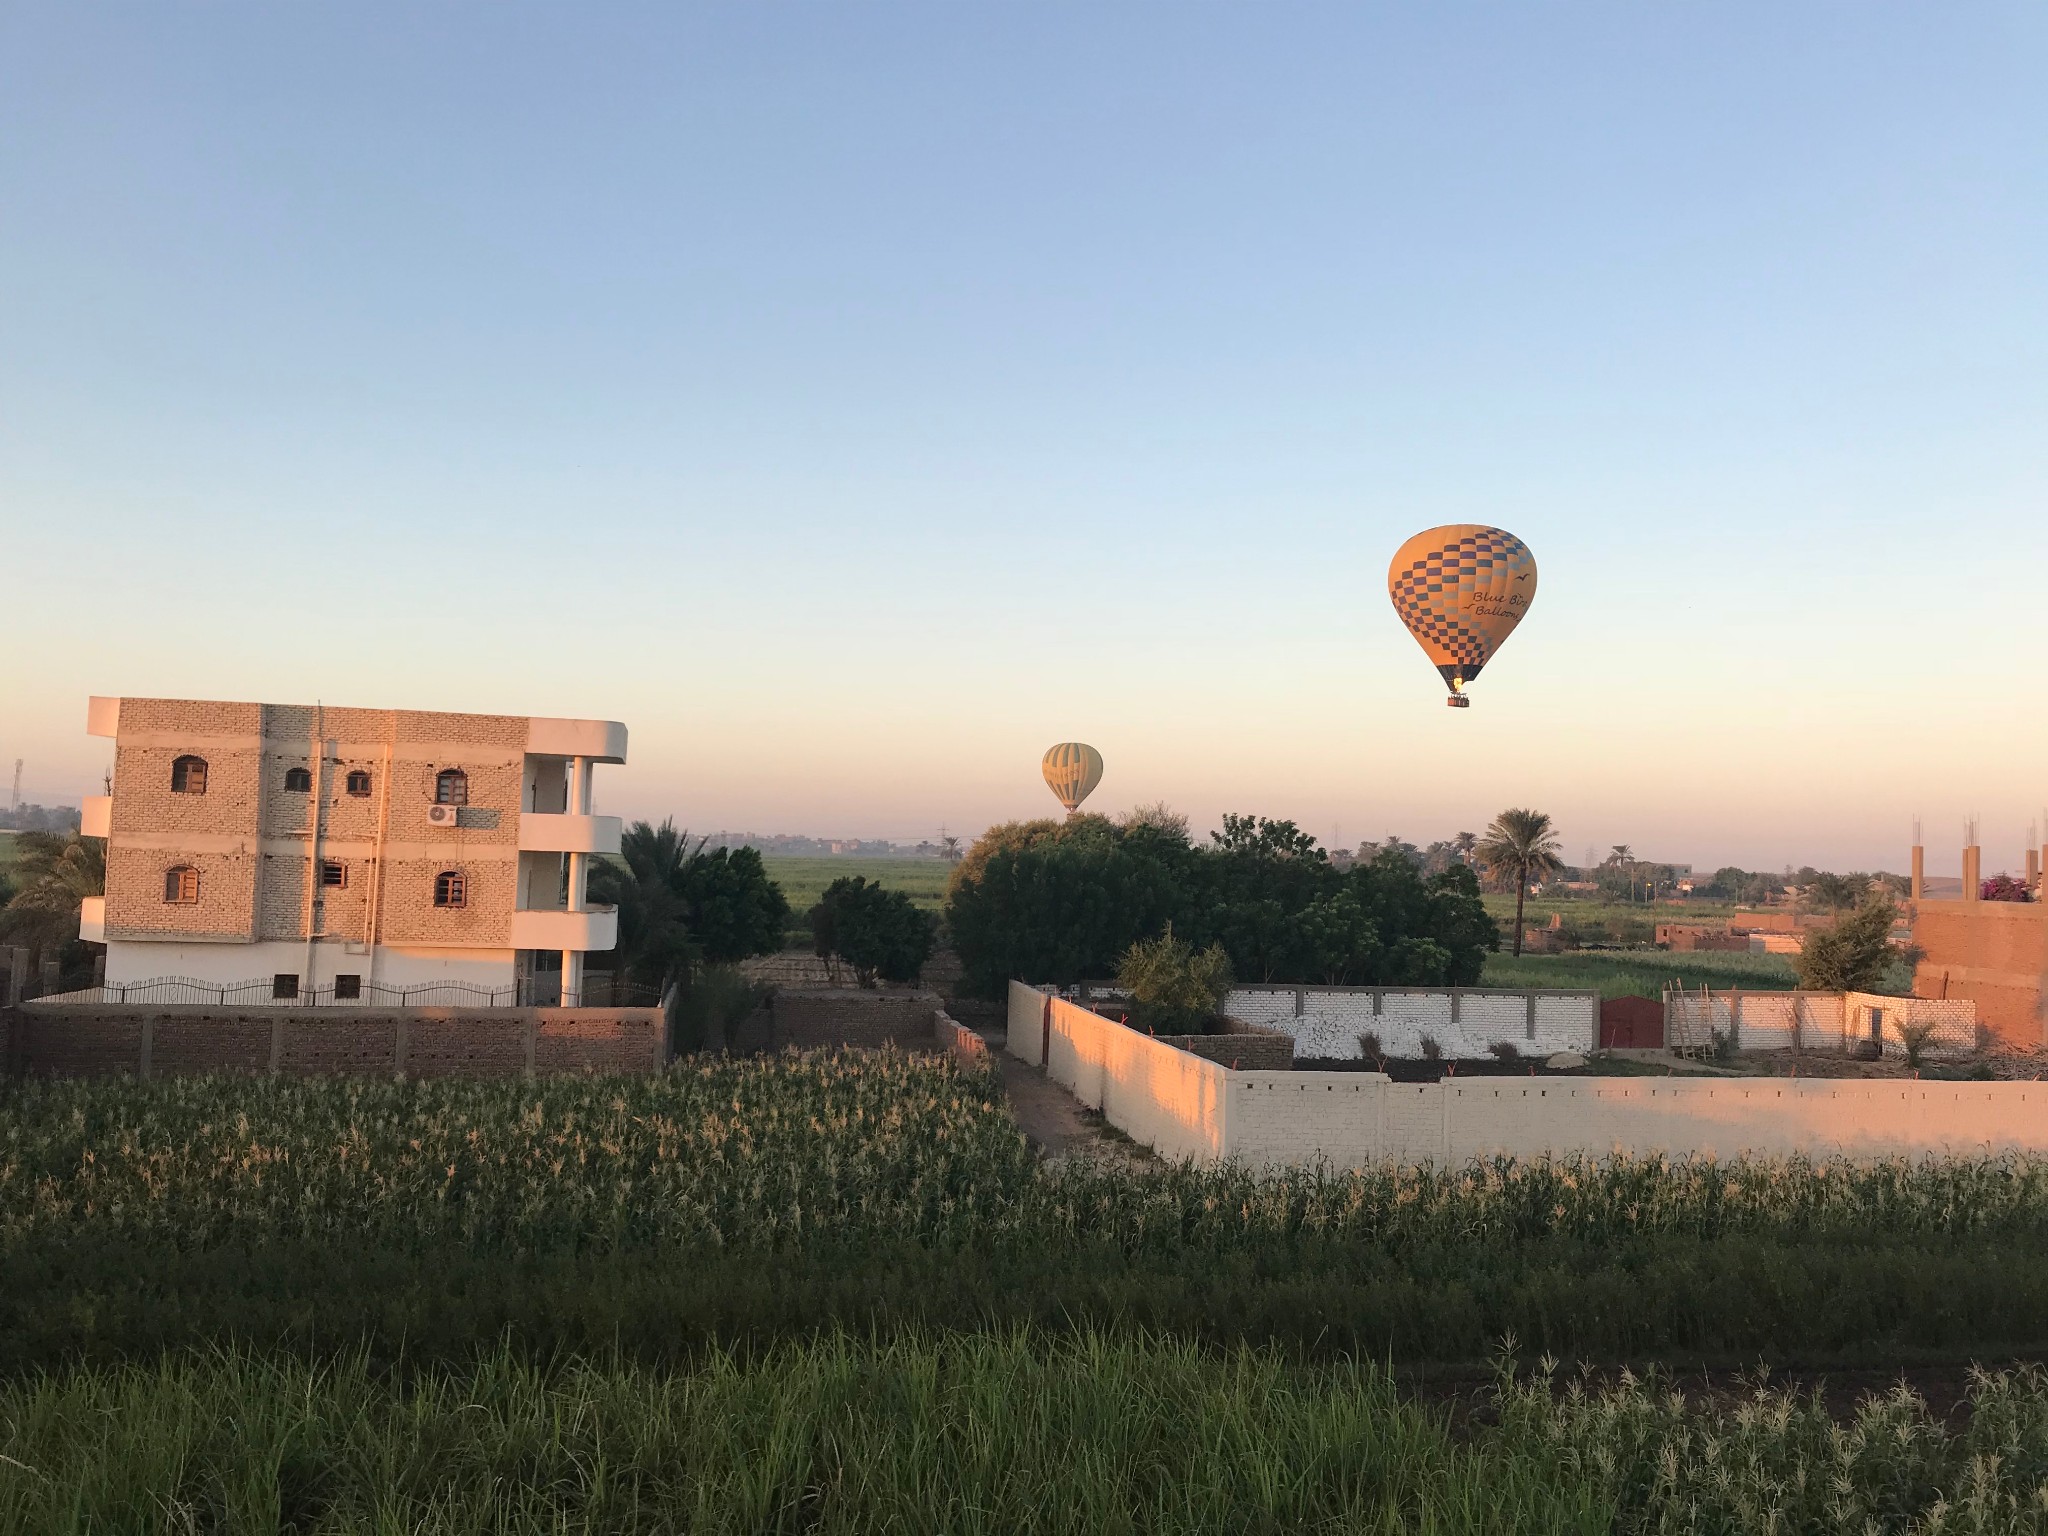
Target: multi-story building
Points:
(343, 850)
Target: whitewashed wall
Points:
(1465, 1022)
(1824, 1021)
(1188, 1108)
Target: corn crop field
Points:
(839, 1292)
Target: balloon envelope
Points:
(1461, 590)
(1072, 769)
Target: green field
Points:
(803, 880)
(838, 1293)
(1638, 972)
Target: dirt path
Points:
(1054, 1121)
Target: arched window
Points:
(451, 787)
(359, 783)
(181, 885)
(451, 889)
(299, 779)
(188, 776)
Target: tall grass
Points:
(998, 1432)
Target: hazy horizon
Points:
(857, 402)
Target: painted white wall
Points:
(1188, 1108)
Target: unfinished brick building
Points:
(350, 852)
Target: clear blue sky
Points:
(857, 399)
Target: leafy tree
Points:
(1854, 954)
(56, 871)
(1522, 845)
(1341, 939)
(1459, 921)
(731, 906)
(1174, 988)
(877, 931)
(1060, 903)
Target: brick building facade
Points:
(349, 851)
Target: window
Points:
(299, 780)
(333, 873)
(181, 885)
(451, 787)
(284, 984)
(347, 987)
(451, 889)
(359, 783)
(188, 776)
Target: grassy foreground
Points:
(996, 1433)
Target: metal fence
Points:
(600, 990)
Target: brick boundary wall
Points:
(72, 1040)
(958, 1041)
(810, 1018)
(1250, 1050)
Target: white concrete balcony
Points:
(552, 832)
(595, 929)
(92, 914)
(96, 816)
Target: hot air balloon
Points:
(1072, 769)
(1461, 590)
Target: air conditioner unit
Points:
(442, 815)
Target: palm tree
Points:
(1837, 891)
(1524, 845)
(654, 935)
(1465, 846)
(56, 871)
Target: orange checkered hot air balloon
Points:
(1461, 590)
(1072, 769)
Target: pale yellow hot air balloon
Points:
(1461, 590)
(1072, 769)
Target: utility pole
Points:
(15, 803)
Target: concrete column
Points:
(579, 875)
(1973, 863)
(2033, 868)
(1919, 871)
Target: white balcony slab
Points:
(553, 832)
(594, 930)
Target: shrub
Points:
(878, 932)
(1915, 1035)
(1431, 1051)
(2004, 888)
(1853, 955)
(1369, 1047)
(1505, 1050)
(1174, 989)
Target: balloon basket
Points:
(1458, 701)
